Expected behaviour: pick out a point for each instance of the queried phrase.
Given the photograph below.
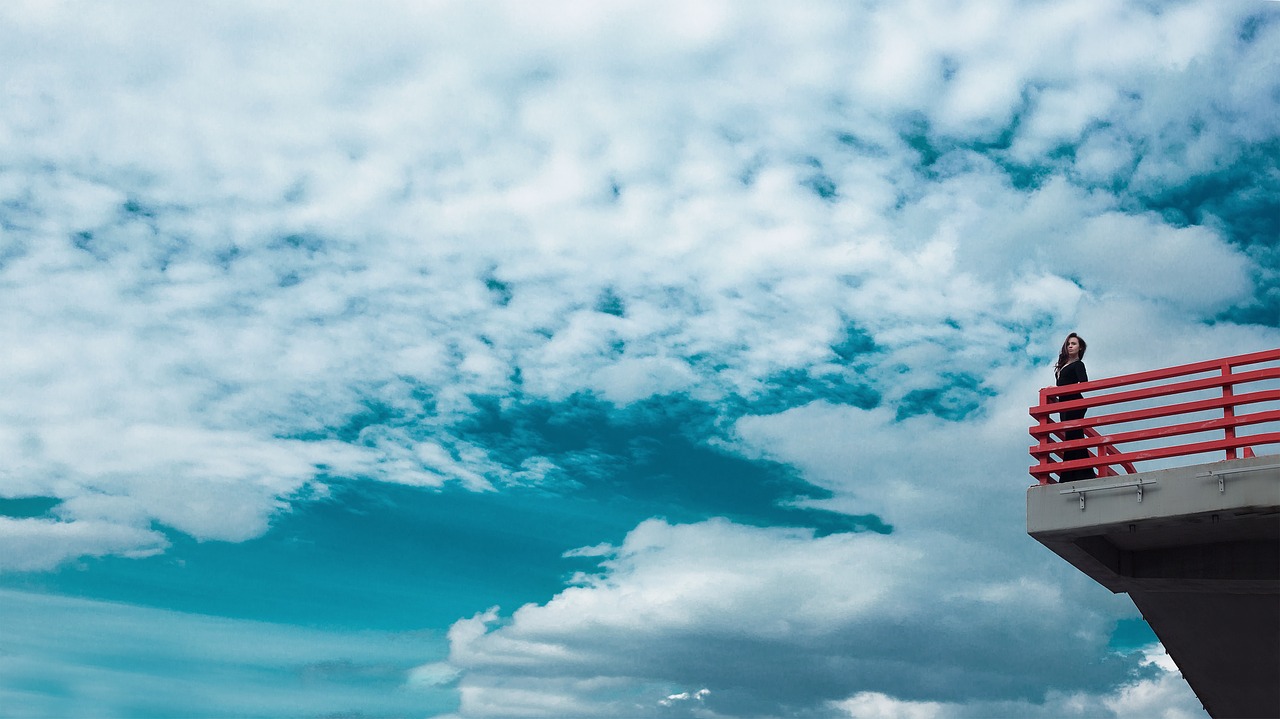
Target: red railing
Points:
(1163, 399)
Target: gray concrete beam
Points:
(1198, 550)
(1190, 527)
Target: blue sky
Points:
(611, 359)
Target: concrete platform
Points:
(1197, 548)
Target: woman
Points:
(1070, 370)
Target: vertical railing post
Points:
(1228, 409)
(1045, 440)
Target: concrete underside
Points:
(1198, 550)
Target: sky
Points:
(596, 359)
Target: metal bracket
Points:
(1221, 474)
(1082, 491)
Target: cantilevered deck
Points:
(1195, 545)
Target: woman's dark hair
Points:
(1062, 353)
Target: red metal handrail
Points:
(1104, 455)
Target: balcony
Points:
(1183, 515)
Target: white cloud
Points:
(628, 380)
(1167, 697)
(706, 603)
(1062, 115)
(420, 171)
(431, 675)
(1192, 268)
(1164, 695)
(663, 612)
(35, 544)
(241, 248)
(874, 705)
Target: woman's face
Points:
(1073, 347)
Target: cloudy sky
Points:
(595, 359)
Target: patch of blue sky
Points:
(957, 399)
(1132, 634)
(82, 657)
(399, 558)
(1239, 199)
(658, 456)
(796, 387)
(653, 458)
(939, 154)
(821, 183)
(373, 555)
(610, 303)
(412, 405)
(25, 507)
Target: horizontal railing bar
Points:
(1159, 453)
(1161, 411)
(1106, 449)
(1185, 369)
(1172, 430)
(1146, 392)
